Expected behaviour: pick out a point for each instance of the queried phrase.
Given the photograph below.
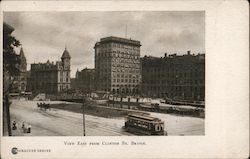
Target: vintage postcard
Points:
(126, 79)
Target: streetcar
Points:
(144, 124)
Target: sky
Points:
(44, 35)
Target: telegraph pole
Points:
(83, 115)
(6, 105)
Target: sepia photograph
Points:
(124, 79)
(109, 73)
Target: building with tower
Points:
(117, 65)
(51, 77)
(20, 81)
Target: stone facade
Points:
(117, 65)
(51, 77)
(85, 80)
(175, 77)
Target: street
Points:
(55, 122)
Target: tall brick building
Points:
(51, 77)
(117, 65)
(174, 76)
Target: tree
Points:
(11, 60)
(11, 63)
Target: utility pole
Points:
(6, 105)
(83, 115)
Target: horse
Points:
(43, 106)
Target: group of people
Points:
(25, 129)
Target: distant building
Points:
(51, 77)
(117, 65)
(73, 84)
(20, 81)
(174, 76)
(29, 81)
(85, 80)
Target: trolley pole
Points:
(83, 115)
(6, 105)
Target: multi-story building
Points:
(73, 84)
(20, 81)
(174, 76)
(85, 80)
(117, 65)
(29, 81)
(51, 77)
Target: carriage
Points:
(143, 124)
(43, 106)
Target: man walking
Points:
(29, 129)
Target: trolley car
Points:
(144, 124)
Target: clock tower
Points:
(66, 60)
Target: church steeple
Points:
(21, 53)
(23, 62)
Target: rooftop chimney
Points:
(188, 52)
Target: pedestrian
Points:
(23, 125)
(14, 125)
(24, 128)
(29, 129)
